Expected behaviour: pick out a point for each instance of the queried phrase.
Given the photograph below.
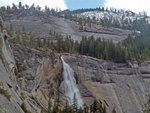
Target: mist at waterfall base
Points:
(70, 85)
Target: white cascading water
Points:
(70, 85)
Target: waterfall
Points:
(71, 89)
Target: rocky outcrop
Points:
(26, 77)
(41, 23)
(117, 85)
(10, 93)
(39, 72)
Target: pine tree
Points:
(114, 111)
(51, 93)
(39, 42)
(20, 5)
(75, 106)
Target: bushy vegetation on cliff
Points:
(96, 107)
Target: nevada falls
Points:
(71, 89)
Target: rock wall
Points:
(120, 86)
(39, 72)
(10, 93)
(26, 76)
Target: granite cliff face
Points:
(41, 23)
(27, 78)
(39, 72)
(120, 86)
(27, 75)
(10, 93)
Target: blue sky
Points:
(133, 5)
(78, 4)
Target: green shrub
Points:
(5, 93)
(24, 108)
(2, 111)
(16, 88)
(1, 83)
(23, 95)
